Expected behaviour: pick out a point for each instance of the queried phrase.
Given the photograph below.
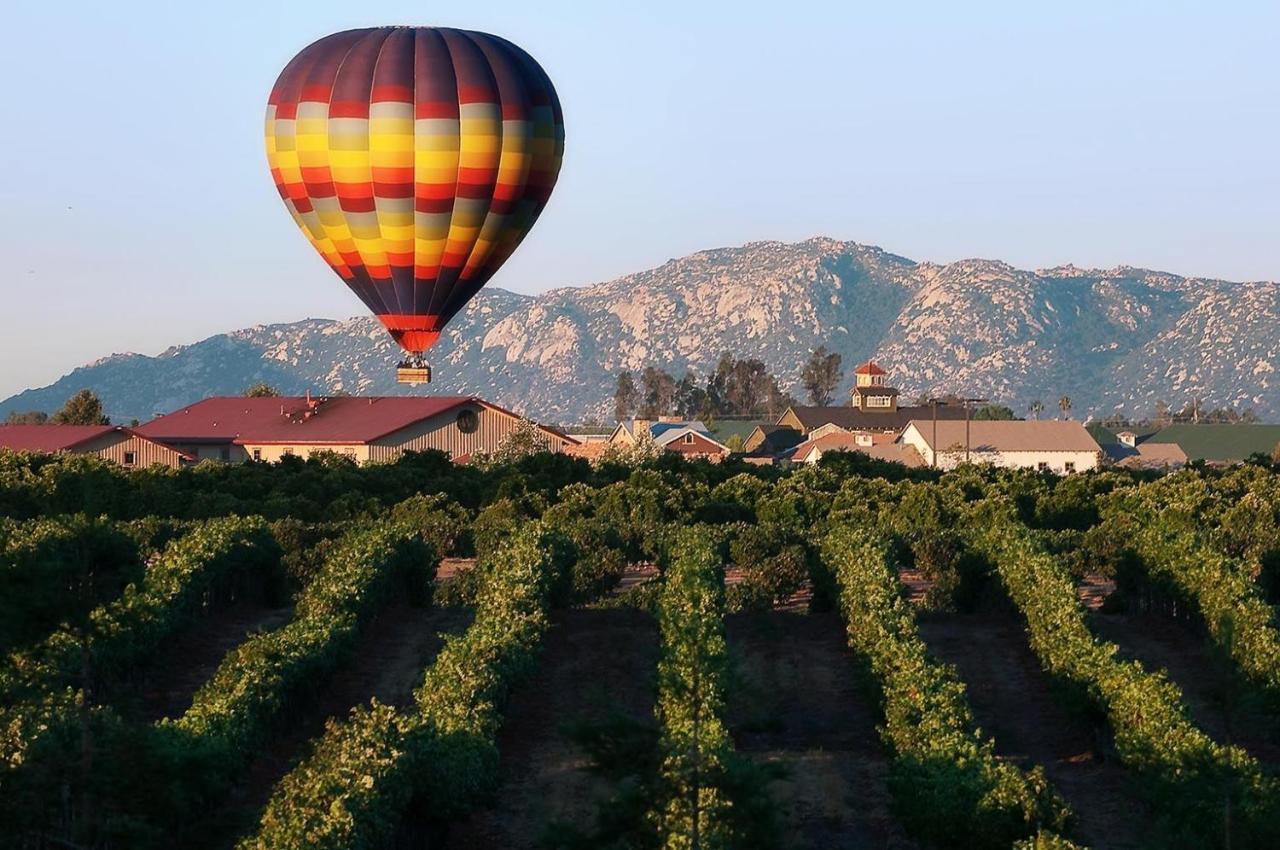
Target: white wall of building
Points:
(1061, 462)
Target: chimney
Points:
(669, 419)
(638, 425)
(1128, 438)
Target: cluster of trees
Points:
(736, 387)
(83, 408)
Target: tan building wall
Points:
(272, 453)
(442, 432)
(201, 451)
(130, 450)
(790, 420)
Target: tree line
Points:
(735, 387)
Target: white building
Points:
(1056, 446)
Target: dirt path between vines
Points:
(594, 661)
(1162, 643)
(387, 663)
(187, 662)
(798, 704)
(1012, 702)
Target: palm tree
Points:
(1036, 408)
(1064, 404)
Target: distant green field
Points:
(1205, 442)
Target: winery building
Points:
(873, 409)
(371, 429)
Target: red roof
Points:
(341, 420)
(49, 438)
(869, 368)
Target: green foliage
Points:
(83, 408)
(1207, 795)
(351, 791)
(261, 679)
(260, 390)
(216, 559)
(821, 375)
(54, 571)
(1164, 527)
(947, 783)
(993, 412)
(48, 692)
(705, 802)
(29, 417)
(772, 570)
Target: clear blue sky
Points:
(136, 210)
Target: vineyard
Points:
(539, 653)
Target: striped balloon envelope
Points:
(415, 160)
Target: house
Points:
(771, 440)
(690, 438)
(125, 446)
(1133, 452)
(873, 407)
(370, 429)
(1052, 445)
(812, 450)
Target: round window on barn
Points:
(468, 421)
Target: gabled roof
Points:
(346, 419)
(843, 441)
(671, 435)
(854, 419)
(869, 368)
(317, 421)
(657, 429)
(50, 438)
(1049, 435)
(1146, 455)
(64, 438)
(774, 438)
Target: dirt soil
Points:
(797, 703)
(1012, 702)
(1210, 690)
(594, 661)
(388, 664)
(187, 662)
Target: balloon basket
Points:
(413, 371)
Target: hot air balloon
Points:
(415, 160)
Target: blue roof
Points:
(657, 429)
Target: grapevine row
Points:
(56, 570)
(262, 679)
(1166, 535)
(696, 752)
(353, 788)
(947, 784)
(124, 632)
(1208, 794)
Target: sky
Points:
(137, 212)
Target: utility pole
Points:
(933, 459)
(967, 402)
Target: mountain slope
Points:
(1112, 340)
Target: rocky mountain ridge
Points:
(1113, 340)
